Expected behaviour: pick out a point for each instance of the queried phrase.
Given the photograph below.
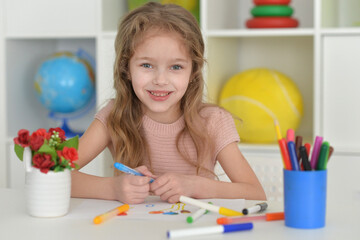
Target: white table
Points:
(343, 222)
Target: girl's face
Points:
(160, 72)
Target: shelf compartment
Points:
(292, 56)
(340, 14)
(340, 102)
(112, 11)
(26, 111)
(50, 18)
(235, 13)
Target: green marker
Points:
(323, 156)
(197, 214)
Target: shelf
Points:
(340, 31)
(260, 33)
(45, 35)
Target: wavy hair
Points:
(125, 119)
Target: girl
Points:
(158, 123)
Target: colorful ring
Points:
(272, 10)
(272, 2)
(272, 22)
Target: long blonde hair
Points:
(125, 119)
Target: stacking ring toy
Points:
(272, 22)
(272, 2)
(272, 10)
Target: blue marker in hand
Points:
(125, 169)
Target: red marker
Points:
(267, 217)
(285, 154)
(308, 147)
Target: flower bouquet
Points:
(49, 149)
(48, 158)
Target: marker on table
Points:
(197, 214)
(257, 208)
(112, 213)
(304, 158)
(188, 232)
(315, 152)
(210, 207)
(267, 217)
(125, 169)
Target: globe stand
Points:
(68, 132)
(64, 118)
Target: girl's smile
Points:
(159, 95)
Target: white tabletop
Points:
(342, 222)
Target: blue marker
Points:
(293, 156)
(125, 169)
(189, 232)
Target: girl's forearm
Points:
(229, 190)
(89, 186)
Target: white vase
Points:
(47, 194)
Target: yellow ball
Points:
(258, 97)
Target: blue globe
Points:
(64, 83)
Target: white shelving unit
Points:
(321, 56)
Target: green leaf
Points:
(72, 142)
(58, 169)
(45, 148)
(19, 150)
(76, 166)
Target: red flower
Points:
(36, 141)
(23, 138)
(42, 132)
(60, 131)
(70, 153)
(43, 162)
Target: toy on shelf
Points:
(258, 97)
(272, 14)
(65, 85)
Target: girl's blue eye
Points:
(146, 65)
(176, 67)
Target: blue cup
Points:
(305, 198)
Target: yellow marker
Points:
(112, 213)
(277, 129)
(224, 211)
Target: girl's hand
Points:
(133, 189)
(145, 171)
(170, 186)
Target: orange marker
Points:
(267, 217)
(285, 154)
(112, 213)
